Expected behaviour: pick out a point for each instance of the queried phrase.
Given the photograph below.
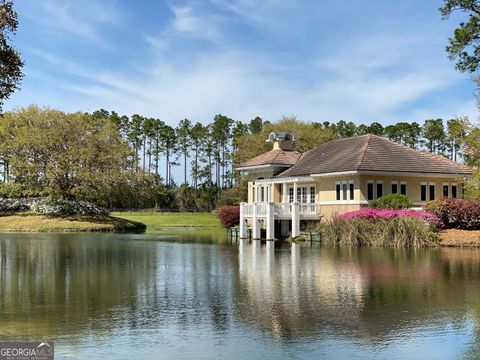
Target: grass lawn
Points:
(160, 220)
(27, 222)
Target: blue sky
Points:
(361, 61)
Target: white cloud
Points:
(366, 77)
(80, 19)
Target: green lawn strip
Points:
(158, 220)
(40, 223)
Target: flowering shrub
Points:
(374, 215)
(229, 215)
(456, 213)
(50, 207)
(66, 207)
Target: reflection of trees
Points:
(76, 285)
(80, 285)
(359, 292)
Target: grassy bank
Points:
(460, 238)
(26, 222)
(156, 221)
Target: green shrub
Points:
(395, 232)
(392, 201)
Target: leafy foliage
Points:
(456, 213)
(229, 215)
(10, 61)
(63, 155)
(464, 45)
(392, 201)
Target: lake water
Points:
(119, 296)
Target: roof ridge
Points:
(365, 151)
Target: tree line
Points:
(121, 161)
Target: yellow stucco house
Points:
(286, 188)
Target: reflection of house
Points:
(286, 186)
(297, 291)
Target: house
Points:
(287, 188)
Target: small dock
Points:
(233, 235)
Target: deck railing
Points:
(282, 210)
(309, 209)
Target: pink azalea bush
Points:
(375, 215)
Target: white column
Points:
(270, 222)
(294, 192)
(284, 193)
(256, 224)
(295, 219)
(243, 221)
(270, 256)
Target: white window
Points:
(403, 188)
(305, 194)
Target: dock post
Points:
(256, 224)
(270, 223)
(243, 221)
(295, 219)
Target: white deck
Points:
(283, 211)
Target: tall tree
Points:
(239, 129)
(198, 135)
(255, 125)
(457, 131)
(346, 130)
(135, 136)
(464, 45)
(167, 134)
(434, 134)
(376, 129)
(156, 149)
(10, 61)
(149, 131)
(184, 141)
(221, 134)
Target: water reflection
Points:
(113, 293)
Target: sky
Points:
(319, 60)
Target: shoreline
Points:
(460, 238)
(37, 223)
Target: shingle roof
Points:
(371, 153)
(274, 157)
